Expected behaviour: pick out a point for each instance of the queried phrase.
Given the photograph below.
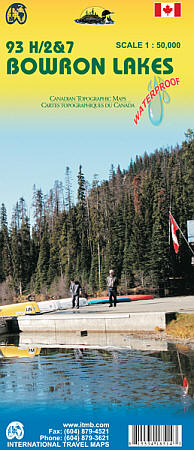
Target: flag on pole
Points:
(167, 9)
(174, 228)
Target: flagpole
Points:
(169, 227)
(169, 235)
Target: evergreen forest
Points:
(121, 223)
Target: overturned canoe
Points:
(55, 305)
(10, 351)
(19, 309)
(120, 298)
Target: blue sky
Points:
(37, 149)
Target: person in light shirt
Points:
(112, 288)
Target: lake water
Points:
(89, 377)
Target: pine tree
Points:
(26, 261)
(68, 189)
(55, 268)
(83, 256)
(5, 248)
(127, 279)
(38, 204)
(159, 263)
(43, 262)
(16, 250)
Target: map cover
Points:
(96, 147)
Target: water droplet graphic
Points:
(165, 95)
(155, 108)
(150, 85)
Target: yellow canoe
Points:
(19, 309)
(17, 352)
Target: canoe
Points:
(120, 299)
(11, 351)
(19, 309)
(56, 305)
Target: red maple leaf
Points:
(167, 9)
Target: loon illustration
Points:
(93, 18)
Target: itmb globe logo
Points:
(15, 430)
(16, 13)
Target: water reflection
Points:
(90, 377)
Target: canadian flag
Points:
(174, 228)
(186, 385)
(167, 9)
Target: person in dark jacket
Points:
(75, 289)
(112, 288)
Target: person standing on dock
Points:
(112, 288)
(75, 289)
